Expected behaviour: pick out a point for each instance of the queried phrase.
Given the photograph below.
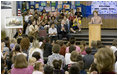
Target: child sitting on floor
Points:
(38, 68)
(32, 61)
(57, 67)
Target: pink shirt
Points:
(83, 53)
(27, 70)
(41, 60)
(77, 49)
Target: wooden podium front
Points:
(94, 33)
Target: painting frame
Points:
(6, 4)
(14, 22)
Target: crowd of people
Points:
(31, 53)
(56, 24)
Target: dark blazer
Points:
(59, 27)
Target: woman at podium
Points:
(96, 19)
(95, 27)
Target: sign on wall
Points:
(104, 7)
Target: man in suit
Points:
(62, 30)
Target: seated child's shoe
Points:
(74, 32)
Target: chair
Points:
(42, 33)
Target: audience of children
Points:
(63, 22)
(33, 54)
(52, 58)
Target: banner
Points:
(104, 7)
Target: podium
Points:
(94, 33)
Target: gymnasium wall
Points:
(8, 13)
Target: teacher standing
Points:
(96, 19)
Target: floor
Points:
(103, 32)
